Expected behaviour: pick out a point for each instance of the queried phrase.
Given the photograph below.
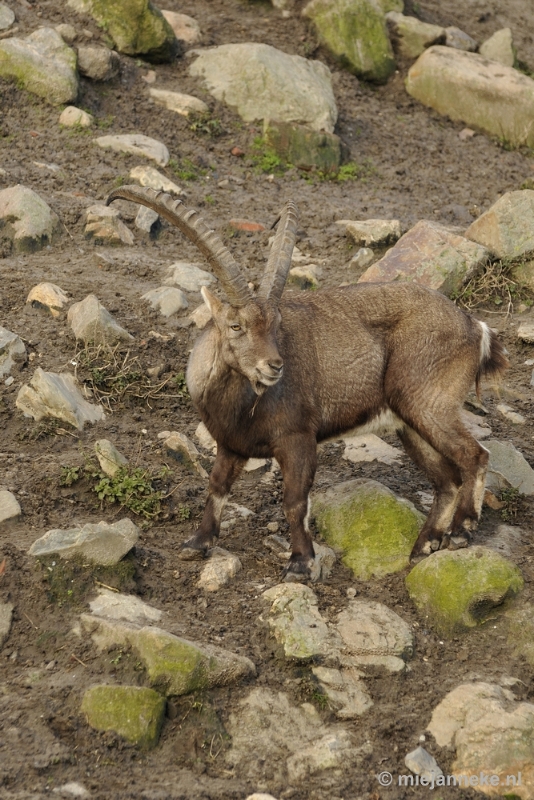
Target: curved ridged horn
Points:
(274, 278)
(223, 264)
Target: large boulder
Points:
(264, 83)
(42, 64)
(507, 228)
(374, 528)
(459, 589)
(135, 26)
(355, 32)
(27, 219)
(432, 255)
(102, 543)
(484, 94)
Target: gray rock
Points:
(508, 467)
(363, 258)
(499, 47)
(176, 666)
(249, 76)
(511, 415)
(26, 218)
(370, 448)
(134, 712)
(220, 568)
(147, 220)
(260, 796)
(148, 176)
(72, 788)
(411, 36)
(432, 255)
(109, 458)
(102, 543)
(455, 37)
(525, 332)
(375, 635)
(185, 28)
(138, 144)
(346, 692)
(507, 540)
(42, 64)
(91, 322)
(127, 607)
(98, 63)
(50, 394)
(476, 426)
(48, 296)
(184, 451)
(183, 104)
(12, 349)
(304, 277)
(507, 228)
(167, 300)
(296, 623)
(72, 117)
(6, 615)
(491, 732)
(200, 316)
(7, 17)
(205, 438)
(9, 506)
(188, 276)
(520, 633)
(420, 762)
(483, 94)
(67, 32)
(105, 227)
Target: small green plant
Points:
(131, 489)
(183, 513)
(512, 501)
(185, 169)
(209, 199)
(181, 385)
(265, 159)
(70, 475)
(206, 125)
(105, 123)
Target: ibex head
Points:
(248, 324)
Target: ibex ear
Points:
(212, 302)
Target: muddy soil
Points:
(413, 166)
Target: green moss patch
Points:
(134, 712)
(458, 589)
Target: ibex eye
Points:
(235, 327)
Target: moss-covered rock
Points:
(458, 589)
(355, 32)
(303, 147)
(375, 529)
(136, 27)
(134, 712)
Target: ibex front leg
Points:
(298, 461)
(226, 470)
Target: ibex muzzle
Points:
(272, 376)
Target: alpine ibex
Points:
(272, 376)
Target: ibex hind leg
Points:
(226, 470)
(445, 479)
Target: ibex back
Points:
(272, 376)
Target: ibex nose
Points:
(276, 364)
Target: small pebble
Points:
(272, 527)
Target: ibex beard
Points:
(273, 376)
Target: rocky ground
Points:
(412, 165)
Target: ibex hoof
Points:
(191, 552)
(298, 570)
(457, 542)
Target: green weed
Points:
(265, 159)
(206, 125)
(131, 489)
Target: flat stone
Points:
(372, 231)
(174, 665)
(127, 607)
(499, 47)
(91, 322)
(188, 276)
(103, 543)
(420, 762)
(105, 227)
(147, 220)
(26, 218)
(48, 296)
(138, 144)
(205, 438)
(345, 690)
(374, 528)
(72, 117)
(50, 394)
(304, 147)
(167, 300)
(363, 258)
(185, 452)
(431, 255)
(508, 467)
(304, 277)
(9, 506)
(109, 458)
(220, 568)
(6, 615)
(458, 589)
(72, 788)
(248, 77)
(511, 415)
(375, 635)
(507, 228)
(246, 225)
(455, 37)
(491, 732)
(67, 32)
(355, 33)
(150, 177)
(185, 28)
(7, 17)
(184, 104)
(370, 448)
(134, 712)
(296, 623)
(476, 426)
(520, 631)
(12, 350)
(525, 332)
(42, 64)
(411, 36)
(98, 63)
(483, 94)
